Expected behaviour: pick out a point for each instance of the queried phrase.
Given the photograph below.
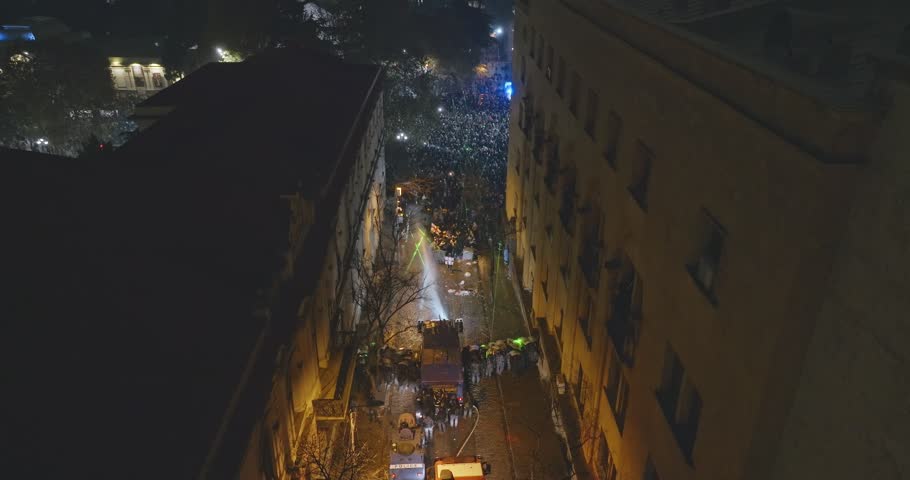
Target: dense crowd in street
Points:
(465, 153)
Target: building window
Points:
(585, 310)
(581, 390)
(606, 469)
(641, 177)
(567, 205)
(703, 268)
(591, 114)
(138, 76)
(158, 80)
(617, 390)
(524, 69)
(561, 77)
(624, 324)
(540, 44)
(614, 132)
(549, 71)
(551, 175)
(574, 92)
(120, 78)
(591, 245)
(680, 402)
(650, 470)
(533, 50)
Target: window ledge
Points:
(705, 291)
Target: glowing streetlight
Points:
(498, 31)
(439, 109)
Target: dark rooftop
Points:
(823, 48)
(135, 278)
(258, 117)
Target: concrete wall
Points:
(851, 415)
(782, 208)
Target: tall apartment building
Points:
(182, 308)
(710, 202)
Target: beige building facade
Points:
(689, 219)
(143, 76)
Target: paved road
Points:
(515, 432)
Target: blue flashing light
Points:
(508, 89)
(9, 33)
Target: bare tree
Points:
(383, 289)
(417, 186)
(319, 457)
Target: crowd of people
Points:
(465, 152)
(499, 357)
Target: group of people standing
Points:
(438, 409)
(496, 358)
(400, 368)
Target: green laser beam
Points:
(416, 252)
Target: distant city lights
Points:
(42, 141)
(401, 137)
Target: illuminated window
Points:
(157, 80)
(138, 76)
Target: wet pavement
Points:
(514, 429)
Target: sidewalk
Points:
(536, 446)
(565, 413)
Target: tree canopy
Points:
(55, 95)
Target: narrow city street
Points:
(514, 429)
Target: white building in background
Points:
(143, 76)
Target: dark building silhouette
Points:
(181, 308)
